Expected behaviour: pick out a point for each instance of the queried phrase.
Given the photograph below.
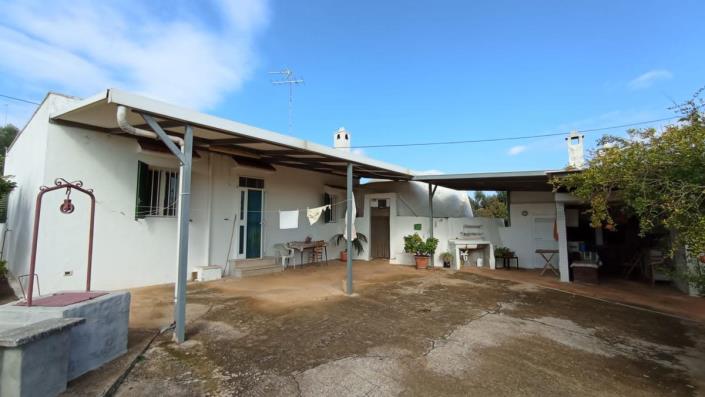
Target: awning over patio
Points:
(536, 181)
(223, 136)
(122, 113)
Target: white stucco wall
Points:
(520, 235)
(27, 166)
(444, 229)
(129, 252)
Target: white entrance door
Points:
(249, 223)
(543, 239)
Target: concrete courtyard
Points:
(409, 332)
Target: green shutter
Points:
(144, 183)
(327, 214)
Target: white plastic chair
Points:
(285, 255)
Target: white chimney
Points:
(341, 139)
(576, 156)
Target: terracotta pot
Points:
(343, 256)
(701, 257)
(421, 261)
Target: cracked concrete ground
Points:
(413, 333)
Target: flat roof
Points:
(537, 181)
(223, 136)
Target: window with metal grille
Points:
(157, 191)
(330, 215)
(253, 183)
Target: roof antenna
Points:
(289, 79)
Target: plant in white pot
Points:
(422, 250)
(356, 243)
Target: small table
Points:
(507, 262)
(548, 264)
(301, 246)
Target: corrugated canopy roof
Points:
(538, 181)
(224, 136)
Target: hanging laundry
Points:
(314, 213)
(289, 219)
(354, 214)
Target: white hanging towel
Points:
(354, 214)
(314, 213)
(289, 219)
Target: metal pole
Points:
(182, 245)
(350, 219)
(431, 192)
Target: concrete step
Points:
(252, 272)
(252, 263)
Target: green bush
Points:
(3, 268)
(414, 244)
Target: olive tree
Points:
(659, 176)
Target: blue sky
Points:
(389, 72)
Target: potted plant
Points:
(503, 252)
(422, 250)
(356, 243)
(447, 258)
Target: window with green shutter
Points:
(157, 191)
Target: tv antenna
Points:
(289, 79)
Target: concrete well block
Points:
(98, 340)
(34, 358)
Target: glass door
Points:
(254, 224)
(249, 223)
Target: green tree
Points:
(7, 135)
(657, 176)
(490, 206)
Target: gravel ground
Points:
(420, 333)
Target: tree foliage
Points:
(490, 206)
(7, 135)
(659, 176)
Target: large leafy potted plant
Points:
(356, 243)
(3, 270)
(422, 250)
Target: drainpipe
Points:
(130, 129)
(184, 154)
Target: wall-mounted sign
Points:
(417, 226)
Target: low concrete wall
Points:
(34, 358)
(100, 339)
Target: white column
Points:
(562, 242)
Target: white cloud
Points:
(192, 54)
(514, 150)
(647, 79)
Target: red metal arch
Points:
(67, 208)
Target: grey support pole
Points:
(431, 192)
(350, 219)
(182, 245)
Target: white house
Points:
(242, 176)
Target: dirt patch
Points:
(419, 333)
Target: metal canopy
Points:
(538, 181)
(222, 136)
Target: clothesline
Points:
(173, 206)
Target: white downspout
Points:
(130, 129)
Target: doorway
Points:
(379, 233)
(250, 224)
